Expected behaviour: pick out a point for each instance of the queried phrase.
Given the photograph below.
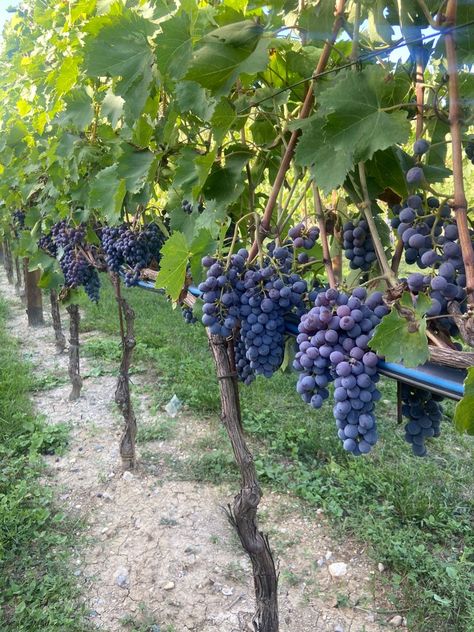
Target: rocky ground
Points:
(159, 554)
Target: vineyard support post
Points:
(122, 392)
(8, 261)
(56, 318)
(74, 372)
(243, 513)
(34, 299)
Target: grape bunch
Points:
(419, 227)
(67, 243)
(221, 290)
(132, 248)
(333, 346)
(358, 245)
(188, 207)
(424, 412)
(18, 218)
(188, 315)
(242, 363)
(302, 237)
(469, 149)
(269, 295)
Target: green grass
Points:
(37, 590)
(415, 515)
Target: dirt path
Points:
(160, 555)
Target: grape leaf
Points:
(464, 411)
(118, 47)
(112, 108)
(174, 46)
(134, 166)
(400, 339)
(174, 260)
(107, 192)
(221, 58)
(79, 111)
(191, 97)
(201, 245)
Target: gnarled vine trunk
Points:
(34, 299)
(60, 338)
(8, 261)
(18, 282)
(122, 392)
(74, 369)
(243, 513)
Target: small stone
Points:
(321, 562)
(122, 578)
(328, 555)
(93, 613)
(77, 573)
(227, 591)
(370, 617)
(319, 511)
(155, 628)
(127, 476)
(338, 628)
(396, 621)
(169, 586)
(337, 569)
(381, 567)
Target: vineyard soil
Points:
(158, 548)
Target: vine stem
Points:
(318, 207)
(366, 204)
(304, 113)
(460, 202)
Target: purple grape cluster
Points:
(303, 237)
(131, 248)
(424, 412)
(188, 207)
(188, 315)
(333, 347)
(250, 301)
(67, 244)
(419, 227)
(18, 218)
(358, 245)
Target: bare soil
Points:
(159, 551)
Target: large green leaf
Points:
(133, 166)
(119, 48)
(222, 56)
(174, 261)
(401, 336)
(107, 192)
(464, 413)
(79, 110)
(174, 47)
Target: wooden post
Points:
(19, 275)
(34, 299)
(243, 513)
(56, 317)
(74, 373)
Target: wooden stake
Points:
(34, 299)
(74, 369)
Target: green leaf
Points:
(201, 245)
(191, 97)
(174, 47)
(67, 75)
(400, 339)
(112, 108)
(79, 110)
(464, 412)
(212, 218)
(225, 183)
(356, 122)
(222, 120)
(174, 260)
(133, 166)
(119, 48)
(221, 58)
(107, 192)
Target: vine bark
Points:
(243, 513)
(74, 368)
(60, 338)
